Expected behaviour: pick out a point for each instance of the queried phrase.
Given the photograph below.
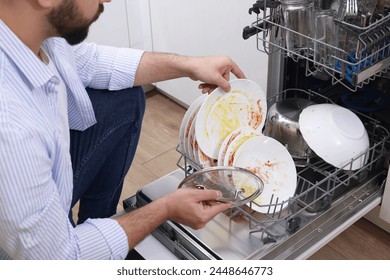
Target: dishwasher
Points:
(327, 199)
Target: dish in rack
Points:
(221, 113)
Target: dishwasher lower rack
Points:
(319, 184)
(357, 54)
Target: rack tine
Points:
(355, 8)
(351, 8)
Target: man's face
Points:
(69, 22)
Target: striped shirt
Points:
(36, 179)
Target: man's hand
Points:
(214, 71)
(194, 208)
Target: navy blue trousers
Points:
(102, 154)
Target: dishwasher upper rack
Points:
(351, 68)
(317, 183)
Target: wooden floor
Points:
(156, 156)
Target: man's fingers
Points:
(207, 88)
(238, 72)
(224, 84)
(207, 195)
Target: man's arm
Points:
(193, 208)
(211, 70)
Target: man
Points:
(51, 82)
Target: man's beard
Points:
(69, 24)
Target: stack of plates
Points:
(211, 118)
(224, 129)
(187, 139)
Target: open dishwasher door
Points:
(235, 235)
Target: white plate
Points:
(241, 138)
(189, 114)
(204, 160)
(190, 143)
(196, 151)
(225, 145)
(221, 113)
(271, 161)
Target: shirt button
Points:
(29, 240)
(55, 80)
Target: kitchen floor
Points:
(156, 156)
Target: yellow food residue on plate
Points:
(248, 191)
(229, 113)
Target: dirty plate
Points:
(225, 145)
(188, 118)
(245, 135)
(221, 113)
(189, 144)
(271, 161)
(204, 160)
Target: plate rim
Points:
(186, 117)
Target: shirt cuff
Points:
(125, 67)
(102, 239)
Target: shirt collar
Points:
(23, 57)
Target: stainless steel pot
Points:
(282, 125)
